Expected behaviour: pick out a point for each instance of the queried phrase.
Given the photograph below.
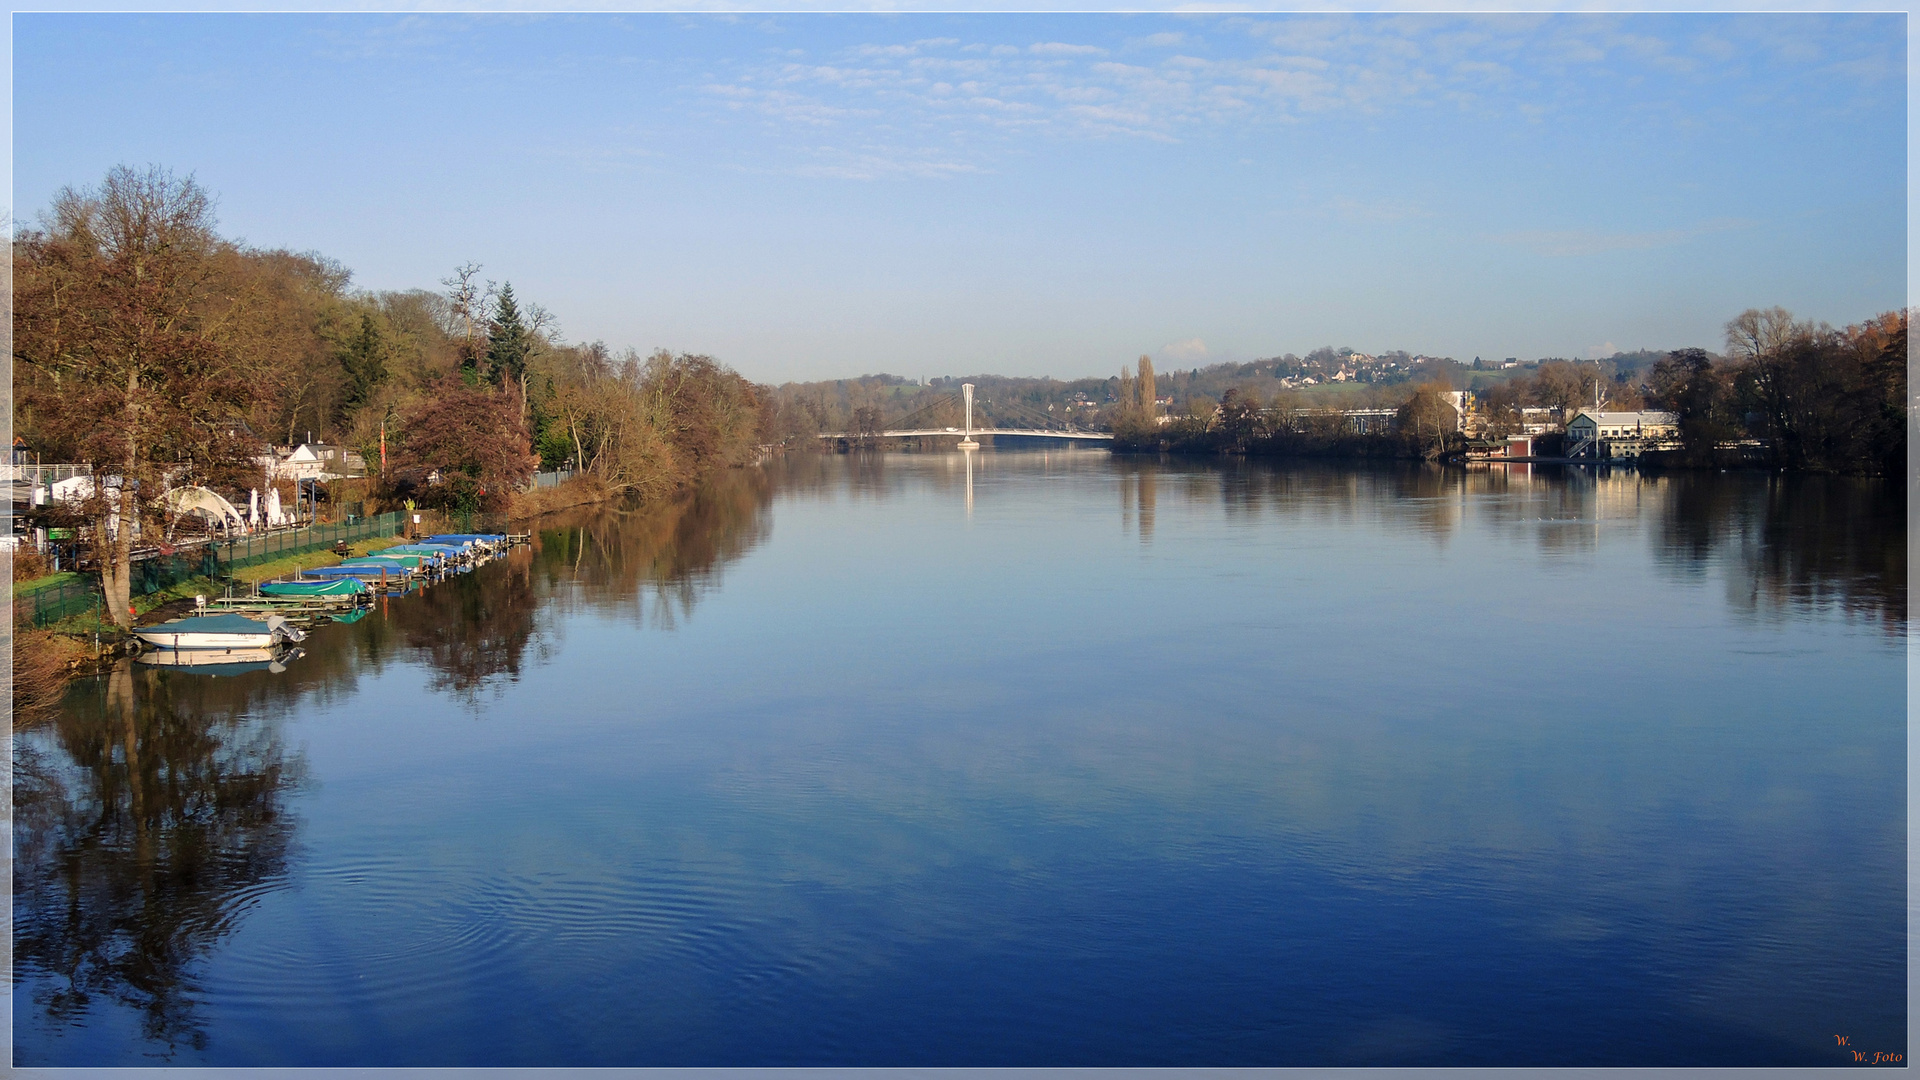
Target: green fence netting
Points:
(44, 607)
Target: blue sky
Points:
(815, 196)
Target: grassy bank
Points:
(44, 660)
(48, 581)
(85, 625)
(582, 490)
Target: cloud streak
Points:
(1244, 72)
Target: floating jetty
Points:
(267, 618)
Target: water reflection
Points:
(1232, 785)
(472, 629)
(1787, 543)
(144, 828)
(655, 563)
(1803, 542)
(151, 812)
(1139, 495)
(967, 456)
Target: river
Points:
(1035, 758)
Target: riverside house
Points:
(1620, 434)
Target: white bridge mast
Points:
(966, 440)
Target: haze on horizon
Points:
(818, 196)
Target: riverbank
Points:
(584, 489)
(45, 660)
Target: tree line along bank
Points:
(160, 352)
(1790, 393)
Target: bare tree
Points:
(1776, 358)
(468, 299)
(123, 337)
(1756, 334)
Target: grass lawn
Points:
(34, 585)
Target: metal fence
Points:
(250, 550)
(42, 475)
(552, 478)
(44, 607)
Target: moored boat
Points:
(482, 541)
(223, 661)
(364, 569)
(341, 588)
(411, 562)
(434, 551)
(220, 632)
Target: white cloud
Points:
(913, 49)
(866, 162)
(872, 167)
(1061, 48)
(1602, 351)
(1190, 351)
(1251, 73)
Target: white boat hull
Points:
(162, 639)
(202, 657)
(238, 633)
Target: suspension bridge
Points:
(1003, 418)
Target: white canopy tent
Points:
(207, 504)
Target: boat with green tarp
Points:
(338, 588)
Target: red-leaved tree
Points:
(474, 439)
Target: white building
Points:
(1592, 433)
(313, 461)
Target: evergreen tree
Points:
(365, 361)
(509, 344)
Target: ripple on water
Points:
(483, 926)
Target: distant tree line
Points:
(1802, 395)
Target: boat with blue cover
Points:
(411, 562)
(484, 541)
(365, 570)
(437, 551)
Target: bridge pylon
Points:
(966, 440)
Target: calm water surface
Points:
(1025, 758)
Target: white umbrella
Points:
(73, 489)
(253, 509)
(274, 517)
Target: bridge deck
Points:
(956, 433)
